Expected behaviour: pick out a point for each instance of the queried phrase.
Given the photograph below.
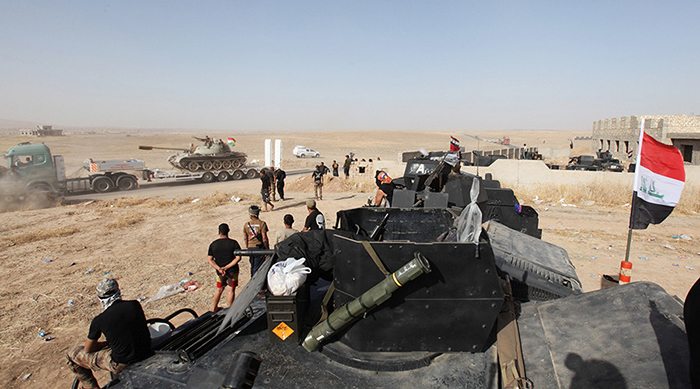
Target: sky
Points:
(263, 65)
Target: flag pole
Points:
(634, 191)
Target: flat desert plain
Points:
(52, 258)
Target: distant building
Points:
(620, 136)
(42, 131)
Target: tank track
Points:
(200, 164)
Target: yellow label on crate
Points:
(283, 331)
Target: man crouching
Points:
(128, 340)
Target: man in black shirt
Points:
(385, 189)
(128, 341)
(225, 262)
(266, 179)
(318, 182)
(315, 219)
(280, 175)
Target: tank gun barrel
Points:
(249, 252)
(370, 299)
(162, 148)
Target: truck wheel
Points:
(251, 174)
(126, 182)
(40, 194)
(102, 184)
(223, 176)
(207, 177)
(238, 174)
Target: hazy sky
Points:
(273, 65)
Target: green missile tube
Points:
(372, 298)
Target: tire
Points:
(223, 176)
(238, 174)
(102, 184)
(317, 155)
(226, 165)
(252, 173)
(217, 165)
(208, 177)
(207, 165)
(127, 182)
(40, 194)
(236, 163)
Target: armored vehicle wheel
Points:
(217, 165)
(251, 173)
(193, 166)
(102, 184)
(226, 165)
(236, 163)
(207, 165)
(208, 177)
(223, 176)
(238, 174)
(127, 182)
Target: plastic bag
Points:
(285, 277)
(468, 223)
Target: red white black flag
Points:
(454, 144)
(658, 182)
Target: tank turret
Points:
(209, 155)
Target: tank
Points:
(209, 155)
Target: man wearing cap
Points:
(225, 262)
(315, 219)
(128, 341)
(255, 232)
(385, 189)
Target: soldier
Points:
(220, 256)
(315, 220)
(280, 175)
(128, 340)
(255, 232)
(318, 182)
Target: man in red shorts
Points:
(223, 260)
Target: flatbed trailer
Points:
(244, 172)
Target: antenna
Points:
(478, 153)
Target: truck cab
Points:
(33, 168)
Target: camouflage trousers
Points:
(83, 363)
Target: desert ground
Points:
(53, 257)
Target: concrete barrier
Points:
(523, 172)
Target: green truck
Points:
(32, 171)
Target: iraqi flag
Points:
(658, 183)
(231, 141)
(454, 144)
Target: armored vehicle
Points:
(210, 155)
(408, 307)
(431, 182)
(603, 161)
